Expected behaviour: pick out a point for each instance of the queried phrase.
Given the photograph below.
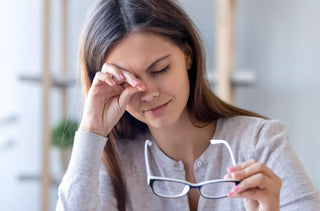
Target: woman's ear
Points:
(188, 55)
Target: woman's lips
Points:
(158, 110)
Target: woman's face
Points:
(162, 67)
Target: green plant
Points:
(63, 133)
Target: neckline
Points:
(166, 160)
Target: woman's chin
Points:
(158, 124)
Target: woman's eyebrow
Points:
(156, 61)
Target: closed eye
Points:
(162, 70)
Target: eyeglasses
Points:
(175, 188)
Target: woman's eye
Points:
(162, 70)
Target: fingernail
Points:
(232, 168)
(230, 194)
(113, 82)
(143, 86)
(235, 188)
(236, 174)
(135, 82)
(121, 76)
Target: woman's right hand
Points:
(108, 96)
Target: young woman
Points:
(143, 72)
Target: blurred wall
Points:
(20, 51)
(277, 39)
(280, 41)
(21, 44)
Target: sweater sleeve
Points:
(84, 186)
(272, 148)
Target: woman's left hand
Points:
(259, 186)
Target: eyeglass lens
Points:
(216, 190)
(169, 188)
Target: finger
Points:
(120, 76)
(126, 96)
(258, 187)
(238, 168)
(102, 78)
(242, 165)
(114, 71)
(254, 194)
(134, 81)
(251, 170)
(249, 188)
(259, 181)
(227, 176)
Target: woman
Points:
(143, 72)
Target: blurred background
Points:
(278, 41)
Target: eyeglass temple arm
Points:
(213, 141)
(148, 143)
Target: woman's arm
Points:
(106, 102)
(79, 189)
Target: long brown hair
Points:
(111, 20)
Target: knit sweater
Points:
(86, 185)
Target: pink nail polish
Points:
(235, 188)
(121, 76)
(232, 168)
(135, 82)
(230, 194)
(236, 174)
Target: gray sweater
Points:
(86, 185)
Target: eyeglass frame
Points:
(151, 179)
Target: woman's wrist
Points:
(101, 132)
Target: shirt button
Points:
(199, 163)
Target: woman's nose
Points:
(151, 92)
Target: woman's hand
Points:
(107, 99)
(259, 186)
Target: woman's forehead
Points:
(141, 49)
(138, 43)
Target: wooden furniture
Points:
(46, 133)
(225, 49)
(226, 78)
(48, 81)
